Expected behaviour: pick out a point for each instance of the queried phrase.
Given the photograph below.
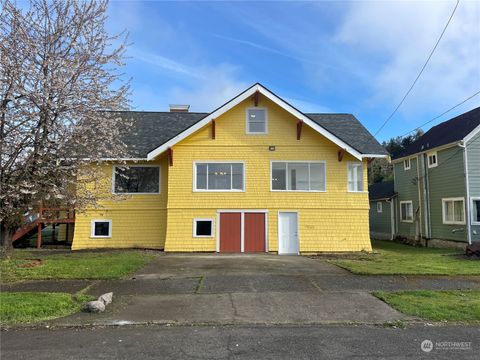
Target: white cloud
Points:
(402, 35)
(204, 87)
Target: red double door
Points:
(231, 231)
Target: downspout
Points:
(428, 214)
(419, 200)
(467, 189)
(392, 217)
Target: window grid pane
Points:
(137, 179)
(476, 210)
(256, 121)
(219, 176)
(298, 176)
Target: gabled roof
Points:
(451, 131)
(149, 129)
(381, 190)
(350, 130)
(280, 102)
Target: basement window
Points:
(101, 229)
(256, 121)
(202, 227)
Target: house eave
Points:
(437, 148)
(238, 99)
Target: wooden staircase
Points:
(46, 216)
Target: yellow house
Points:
(254, 175)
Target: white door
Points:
(288, 233)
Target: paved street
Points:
(250, 306)
(243, 342)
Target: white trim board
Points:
(237, 100)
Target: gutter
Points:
(467, 200)
(438, 148)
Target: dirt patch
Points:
(30, 263)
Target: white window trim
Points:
(379, 207)
(472, 220)
(212, 232)
(137, 193)
(446, 222)
(300, 162)
(406, 202)
(218, 162)
(428, 159)
(246, 121)
(92, 229)
(363, 179)
(405, 167)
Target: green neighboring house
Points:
(382, 210)
(437, 184)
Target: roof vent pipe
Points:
(179, 108)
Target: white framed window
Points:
(453, 211)
(406, 211)
(406, 164)
(136, 179)
(202, 227)
(219, 176)
(101, 228)
(476, 211)
(355, 176)
(432, 159)
(256, 121)
(379, 207)
(298, 176)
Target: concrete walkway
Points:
(244, 289)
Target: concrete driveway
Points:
(236, 289)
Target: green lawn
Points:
(73, 265)
(456, 305)
(31, 307)
(391, 258)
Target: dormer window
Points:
(256, 121)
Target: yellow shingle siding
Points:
(335, 220)
(137, 220)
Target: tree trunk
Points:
(6, 246)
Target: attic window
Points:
(256, 121)
(406, 164)
(432, 160)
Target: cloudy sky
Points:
(355, 57)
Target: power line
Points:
(439, 116)
(421, 71)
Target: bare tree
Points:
(59, 81)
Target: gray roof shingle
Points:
(381, 190)
(152, 129)
(447, 132)
(350, 130)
